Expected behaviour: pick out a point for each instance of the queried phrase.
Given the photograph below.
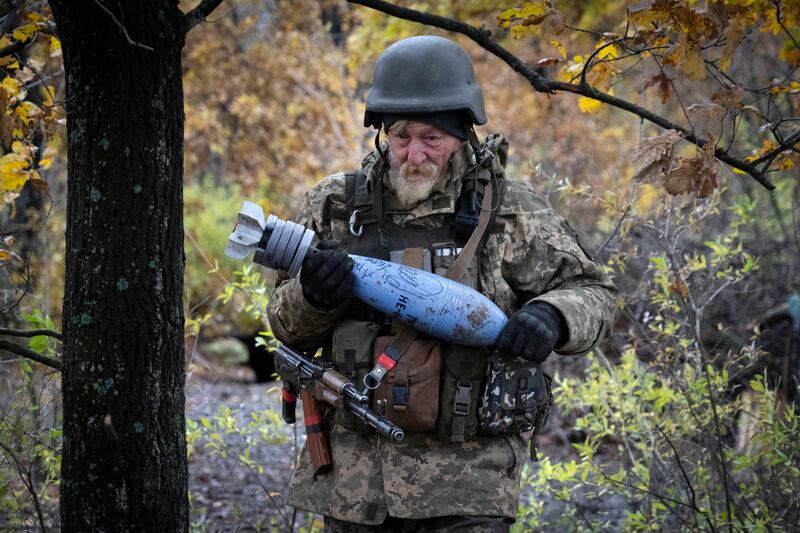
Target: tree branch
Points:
(199, 14)
(31, 333)
(482, 36)
(121, 27)
(30, 354)
(786, 144)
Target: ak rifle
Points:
(318, 382)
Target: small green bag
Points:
(516, 397)
(351, 354)
(463, 370)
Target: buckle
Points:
(462, 400)
(399, 398)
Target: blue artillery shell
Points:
(435, 305)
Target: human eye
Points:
(400, 138)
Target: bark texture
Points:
(124, 457)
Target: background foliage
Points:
(685, 414)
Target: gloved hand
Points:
(533, 332)
(327, 275)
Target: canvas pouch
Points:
(409, 392)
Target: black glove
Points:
(533, 332)
(327, 275)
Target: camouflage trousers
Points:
(438, 524)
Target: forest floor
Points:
(229, 493)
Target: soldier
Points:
(468, 412)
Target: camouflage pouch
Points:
(351, 354)
(516, 397)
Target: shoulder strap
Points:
(362, 206)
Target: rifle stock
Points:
(316, 434)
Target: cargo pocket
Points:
(351, 354)
(411, 389)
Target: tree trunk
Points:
(124, 457)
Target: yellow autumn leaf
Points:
(519, 31)
(589, 105)
(26, 111)
(771, 24)
(693, 64)
(13, 173)
(47, 97)
(789, 88)
(46, 163)
(11, 85)
(609, 52)
(559, 47)
(19, 148)
(527, 10)
(768, 146)
(55, 47)
(4, 256)
(24, 33)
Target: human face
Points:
(420, 144)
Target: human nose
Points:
(416, 153)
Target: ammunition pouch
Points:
(410, 391)
(351, 354)
(462, 373)
(516, 397)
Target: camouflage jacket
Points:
(536, 258)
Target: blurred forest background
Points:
(685, 417)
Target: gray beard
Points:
(410, 192)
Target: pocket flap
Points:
(423, 358)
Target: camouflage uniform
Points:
(536, 258)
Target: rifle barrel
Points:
(381, 425)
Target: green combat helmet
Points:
(423, 75)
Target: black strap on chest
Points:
(365, 207)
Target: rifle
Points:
(319, 382)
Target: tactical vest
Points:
(372, 233)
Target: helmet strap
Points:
(380, 150)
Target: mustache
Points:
(427, 169)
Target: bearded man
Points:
(468, 412)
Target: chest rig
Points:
(373, 233)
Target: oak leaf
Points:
(728, 98)
(658, 149)
(664, 90)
